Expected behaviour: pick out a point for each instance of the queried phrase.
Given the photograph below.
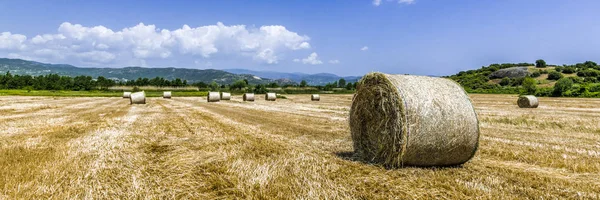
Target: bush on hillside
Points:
(569, 70)
(530, 85)
(562, 85)
(554, 75)
(535, 74)
(505, 81)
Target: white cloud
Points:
(376, 2)
(407, 2)
(364, 48)
(334, 61)
(312, 59)
(100, 45)
(12, 41)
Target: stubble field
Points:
(74, 148)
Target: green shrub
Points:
(569, 70)
(530, 85)
(562, 86)
(535, 74)
(505, 81)
(554, 75)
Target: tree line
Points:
(87, 83)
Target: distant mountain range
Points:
(25, 67)
(311, 79)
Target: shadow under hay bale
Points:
(403, 120)
(167, 94)
(528, 101)
(213, 97)
(248, 97)
(126, 94)
(138, 98)
(225, 96)
(315, 97)
(270, 96)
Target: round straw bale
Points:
(126, 94)
(213, 97)
(270, 96)
(248, 97)
(400, 120)
(167, 94)
(528, 101)
(225, 96)
(315, 97)
(138, 98)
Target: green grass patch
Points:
(63, 93)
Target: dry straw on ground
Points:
(413, 120)
(225, 96)
(126, 94)
(528, 101)
(138, 98)
(248, 97)
(213, 97)
(270, 96)
(315, 97)
(167, 94)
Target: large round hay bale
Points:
(315, 97)
(138, 98)
(270, 96)
(213, 97)
(248, 97)
(528, 101)
(167, 94)
(225, 96)
(400, 120)
(126, 94)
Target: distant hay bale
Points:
(248, 97)
(528, 101)
(225, 96)
(126, 94)
(213, 97)
(167, 94)
(315, 97)
(400, 120)
(270, 96)
(138, 98)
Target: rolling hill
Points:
(24, 67)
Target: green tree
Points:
(530, 85)
(540, 63)
(260, 89)
(303, 83)
(342, 83)
(561, 86)
(239, 85)
(213, 86)
(554, 75)
(505, 81)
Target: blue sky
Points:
(424, 37)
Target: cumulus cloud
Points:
(334, 61)
(364, 48)
(101, 45)
(312, 59)
(408, 2)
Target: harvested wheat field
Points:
(294, 148)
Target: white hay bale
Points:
(315, 97)
(402, 120)
(167, 94)
(225, 96)
(213, 97)
(248, 97)
(270, 96)
(126, 94)
(528, 101)
(138, 98)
